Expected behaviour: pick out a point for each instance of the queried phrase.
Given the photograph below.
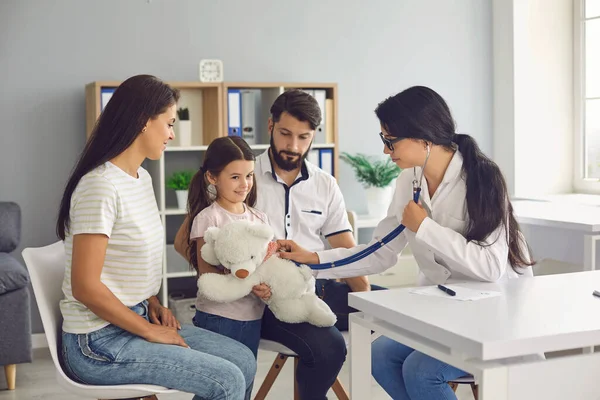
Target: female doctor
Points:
(463, 228)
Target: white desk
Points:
(533, 316)
(584, 219)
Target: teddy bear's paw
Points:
(319, 312)
(222, 288)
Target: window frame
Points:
(580, 183)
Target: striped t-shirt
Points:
(111, 202)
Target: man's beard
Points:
(282, 161)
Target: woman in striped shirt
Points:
(115, 331)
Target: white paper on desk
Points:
(462, 293)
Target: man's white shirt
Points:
(313, 206)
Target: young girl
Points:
(463, 228)
(224, 190)
(115, 331)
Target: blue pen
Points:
(313, 212)
(447, 290)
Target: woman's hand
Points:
(291, 251)
(164, 335)
(263, 291)
(413, 215)
(160, 315)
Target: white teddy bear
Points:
(247, 250)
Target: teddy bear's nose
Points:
(242, 273)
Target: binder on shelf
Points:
(326, 160)
(249, 130)
(329, 137)
(105, 95)
(314, 157)
(234, 112)
(321, 96)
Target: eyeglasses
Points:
(389, 142)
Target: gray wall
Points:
(50, 49)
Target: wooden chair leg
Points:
(10, 371)
(475, 390)
(453, 386)
(339, 390)
(296, 389)
(271, 376)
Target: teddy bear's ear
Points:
(260, 230)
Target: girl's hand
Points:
(413, 215)
(164, 335)
(263, 291)
(291, 251)
(160, 315)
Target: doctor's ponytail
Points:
(488, 203)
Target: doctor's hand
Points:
(413, 216)
(291, 251)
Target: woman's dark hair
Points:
(421, 113)
(299, 105)
(137, 100)
(219, 154)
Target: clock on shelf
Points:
(211, 71)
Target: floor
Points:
(36, 381)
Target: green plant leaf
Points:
(371, 172)
(180, 180)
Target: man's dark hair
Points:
(299, 105)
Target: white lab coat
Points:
(439, 247)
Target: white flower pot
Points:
(182, 196)
(184, 133)
(379, 200)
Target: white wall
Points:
(533, 95)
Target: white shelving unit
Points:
(207, 103)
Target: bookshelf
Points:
(209, 112)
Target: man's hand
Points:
(292, 251)
(160, 315)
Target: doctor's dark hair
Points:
(421, 113)
(136, 101)
(299, 105)
(219, 154)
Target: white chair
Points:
(283, 353)
(46, 267)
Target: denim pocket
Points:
(84, 345)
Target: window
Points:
(587, 95)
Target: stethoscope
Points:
(417, 184)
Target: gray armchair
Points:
(15, 315)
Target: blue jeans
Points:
(406, 374)
(321, 353)
(215, 367)
(245, 332)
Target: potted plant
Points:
(184, 127)
(180, 183)
(376, 176)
